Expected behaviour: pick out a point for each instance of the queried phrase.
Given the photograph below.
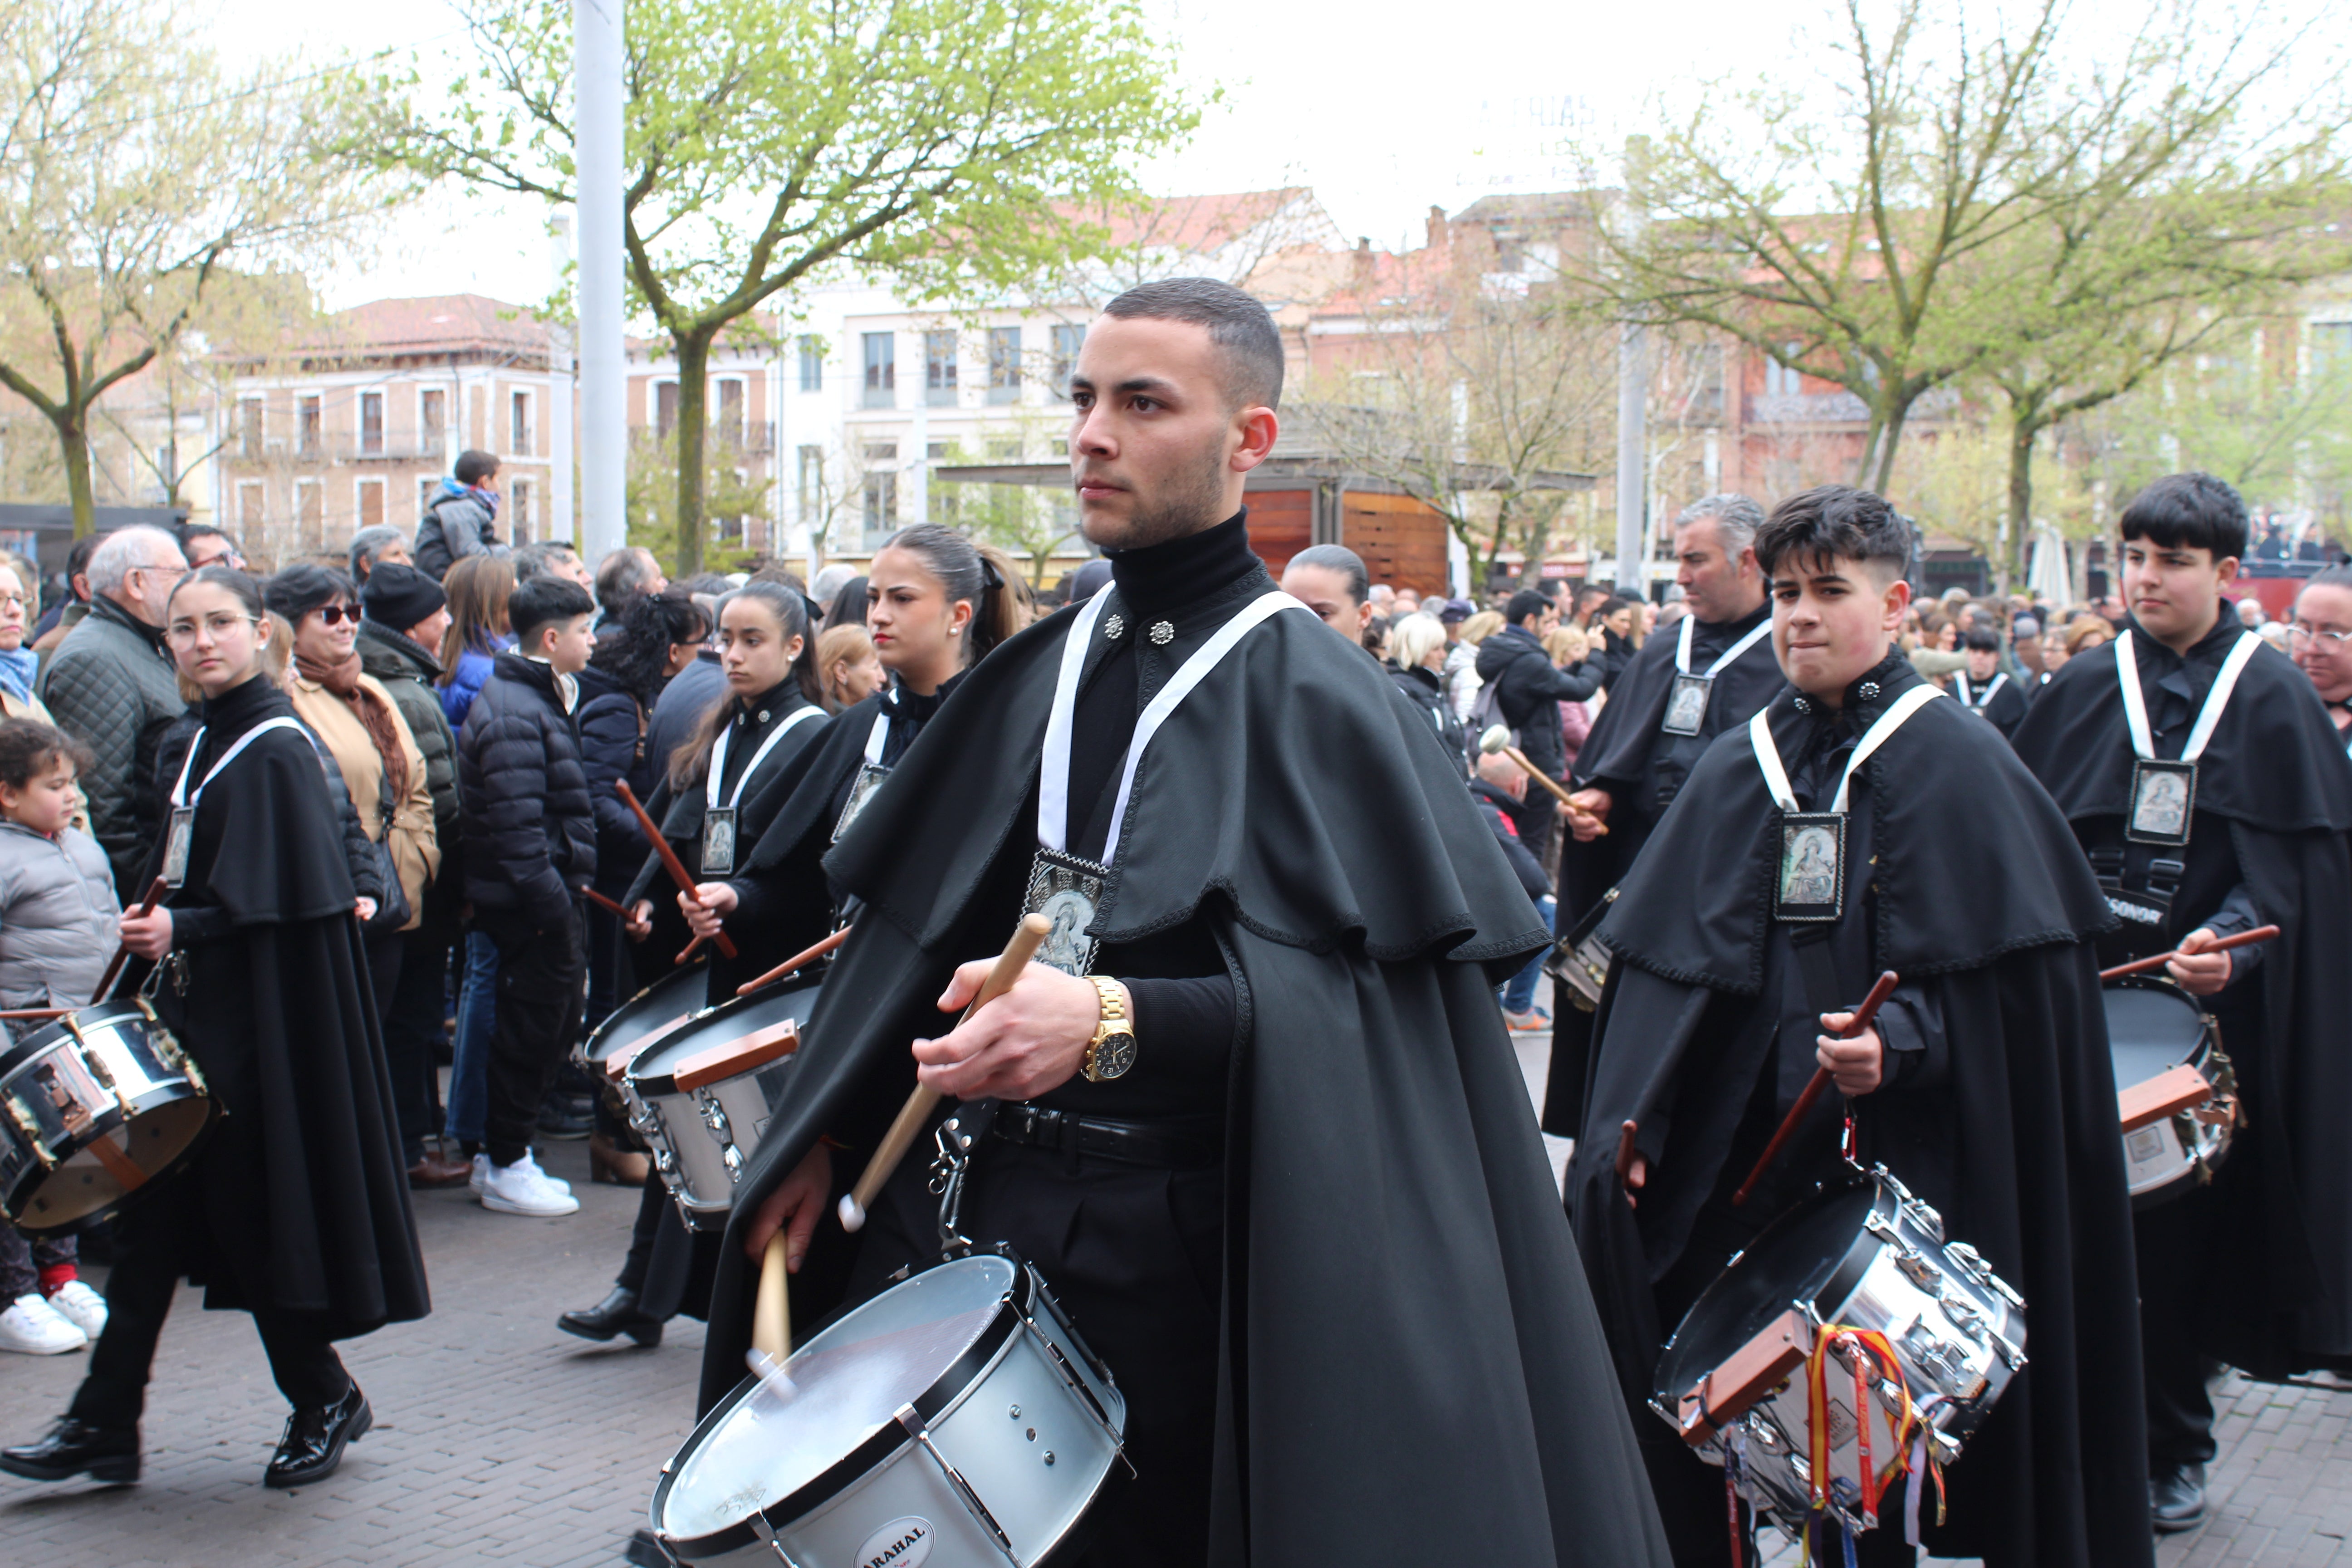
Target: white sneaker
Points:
(82, 1307)
(33, 1327)
(522, 1188)
(558, 1183)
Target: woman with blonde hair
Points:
(847, 667)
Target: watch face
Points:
(1113, 1056)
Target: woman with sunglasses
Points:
(295, 1210)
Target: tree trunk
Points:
(73, 441)
(2022, 429)
(693, 384)
(1890, 441)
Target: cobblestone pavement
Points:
(500, 1440)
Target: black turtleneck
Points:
(1162, 579)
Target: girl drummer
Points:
(295, 1210)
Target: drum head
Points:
(649, 1073)
(1797, 1257)
(2150, 1028)
(657, 1006)
(849, 1383)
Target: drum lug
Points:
(914, 1427)
(32, 1134)
(1078, 1386)
(767, 1535)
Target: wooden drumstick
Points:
(2142, 966)
(772, 1311)
(920, 1104)
(1813, 1085)
(1497, 739)
(155, 890)
(602, 902)
(33, 1014)
(796, 961)
(669, 860)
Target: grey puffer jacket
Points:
(110, 687)
(454, 526)
(56, 917)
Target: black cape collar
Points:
(240, 708)
(1161, 579)
(1947, 798)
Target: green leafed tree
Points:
(136, 173)
(949, 146)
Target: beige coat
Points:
(15, 707)
(413, 848)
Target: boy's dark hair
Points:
(1834, 522)
(29, 748)
(1237, 324)
(1979, 640)
(473, 468)
(541, 602)
(1525, 602)
(2192, 510)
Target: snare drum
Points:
(1871, 1257)
(2175, 1090)
(92, 1108)
(1578, 961)
(642, 1019)
(706, 1089)
(956, 1417)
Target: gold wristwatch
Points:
(1112, 1050)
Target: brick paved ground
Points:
(500, 1440)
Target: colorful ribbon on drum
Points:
(1871, 1353)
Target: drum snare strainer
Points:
(955, 1419)
(1853, 1302)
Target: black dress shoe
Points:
(76, 1448)
(315, 1437)
(615, 1314)
(2176, 1495)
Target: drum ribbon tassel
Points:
(1871, 1351)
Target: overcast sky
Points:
(1382, 108)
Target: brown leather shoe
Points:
(434, 1171)
(608, 1161)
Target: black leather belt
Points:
(1184, 1144)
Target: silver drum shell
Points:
(703, 1138)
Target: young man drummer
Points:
(1983, 687)
(1845, 829)
(2206, 784)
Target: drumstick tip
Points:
(853, 1214)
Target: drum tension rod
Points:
(922, 1434)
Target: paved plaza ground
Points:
(500, 1440)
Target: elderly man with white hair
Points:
(109, 685)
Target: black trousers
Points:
(1134, 1256)
(413, 1016)
(149, 1262)
(2173, 1241)
(541, 976)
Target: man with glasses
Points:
(111, 686)
(2320, 640)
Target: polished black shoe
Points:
(77, 1449)
(2175, 1494)
(615, 1314)
(315, 1438)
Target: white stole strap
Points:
(2208, 717)
(718, 753)
(1775, 777)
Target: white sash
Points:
(719, 754)
(1968, 693)
(1054, 783)
(2208, 716)
(1775, 777)
(1756, 634)
(179, 791)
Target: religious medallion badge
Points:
(1686, 705)
(1809, 885)
(2163, 794)
(1066, 890)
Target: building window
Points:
(372, 427)
(309, 512)
(1067, 343)
(665, 408)
(250, 427)
(811, 364)
(306, 425)
(520, 497)
(370, 497)
(812, 482)
(881, 370)
(1780, 380)
(939, 369)
(880, 493)
(432, 421)
(2331, 347)
(1005, 365)
(519, 442)
(729, 425)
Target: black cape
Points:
(1642, 768)
(305, 1192)
(2017, 1143)
(2276, 780)
(766, 930)
(1411, 1358)
(2005, 709)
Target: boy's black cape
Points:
(1982, 905)
(1411, 1364)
